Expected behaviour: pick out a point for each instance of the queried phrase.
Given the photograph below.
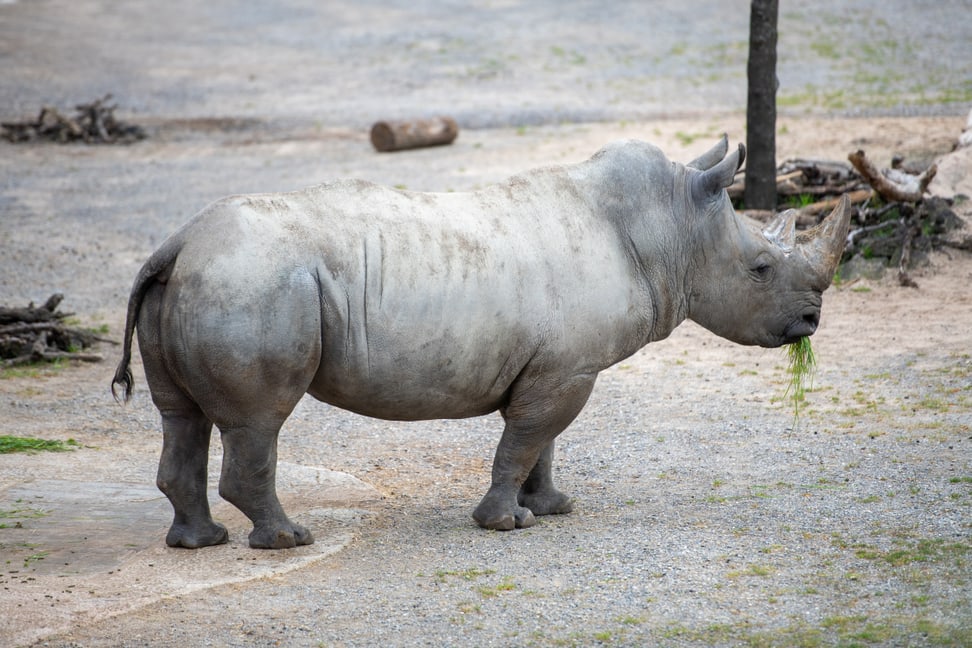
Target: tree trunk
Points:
(760, 190)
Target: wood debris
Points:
(93, 123)
(894, 221)
(37, 334)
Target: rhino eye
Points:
(762, 271)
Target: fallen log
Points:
(387, 136)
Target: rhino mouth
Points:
(804, 326)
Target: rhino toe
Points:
(286, 537)
(547, 502)
(519, 518)
(195, 537)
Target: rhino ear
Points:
(782, 230)
(711, 157)
(715, 179)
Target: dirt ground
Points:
(705, 513)
(704, 516)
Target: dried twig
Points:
(904, 278)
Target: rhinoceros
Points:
(407, 305)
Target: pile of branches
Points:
(93, 123)
(38, 334)
(892, 218)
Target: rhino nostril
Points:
(812, 318)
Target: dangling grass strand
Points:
(803, 365)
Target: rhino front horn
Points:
(824, 244)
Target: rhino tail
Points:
(157, 265)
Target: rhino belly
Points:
(409, 374)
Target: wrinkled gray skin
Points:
(409, 306)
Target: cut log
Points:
(389, 136)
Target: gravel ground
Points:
(705, 515)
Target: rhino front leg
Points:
(538, 492)
(534, 418)
(182, 477)
(248, 481)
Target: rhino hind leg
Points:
(534, 417)
(248, 481)
(538, 492)
(182, 477)
(186, 434)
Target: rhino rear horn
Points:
(716, 178)
(711, 157)
(782, 230)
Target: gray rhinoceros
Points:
(407, 306)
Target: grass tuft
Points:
(9, 444)
(803, 365)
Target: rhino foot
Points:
(489, 515)
(284, 537)
(194, 537)
(551, 502)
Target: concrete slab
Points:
(74, 551)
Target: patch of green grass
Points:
(934, 404)
(828, 49)
(933, 550)
(799, 202)
(752, 570)
(685, 139)
(17, 515)
(35, 557)
(10, 444)
(837, 630)
(487, 591)
(571, 56)
(34, 369)
(467, 574)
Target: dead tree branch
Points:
(893, 185)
